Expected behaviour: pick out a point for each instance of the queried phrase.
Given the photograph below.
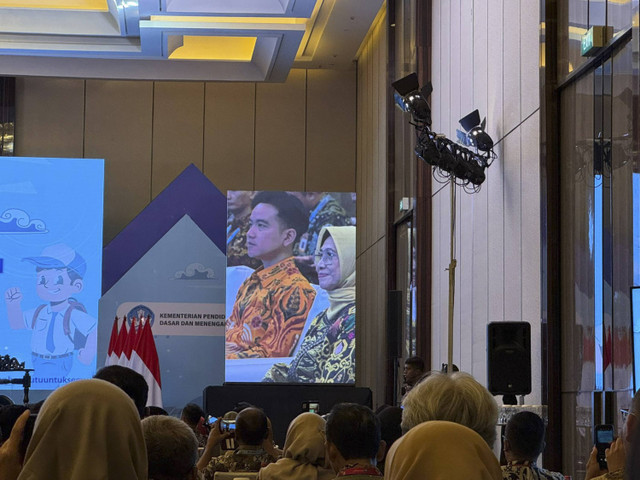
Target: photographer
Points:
(252, 429)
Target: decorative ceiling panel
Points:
(227, 40)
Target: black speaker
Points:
(509, 358)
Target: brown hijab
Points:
(303, 455)
(88, 429)
(440, 450)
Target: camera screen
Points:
(604, 436)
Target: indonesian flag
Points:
(144, 360)
(112, 357)
(116, 346)
(130, 342)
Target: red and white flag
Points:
(144, 360)
(129, 343)
(112, 357)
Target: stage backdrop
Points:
(169, 264)
(50, 266)
(292, 320)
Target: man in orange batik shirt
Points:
(273, 303)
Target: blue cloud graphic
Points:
(14, 221)
(195, 271)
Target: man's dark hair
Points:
(416, 362)
(130, 381)
(390, 418)
(354, 430)
(525, 434)
(291, 212)
(251, 426)
(191, 413)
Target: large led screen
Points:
(291, 281)
(50, 266)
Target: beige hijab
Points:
(441, 451)
(86, 430)
(303, 455)
(345, 240)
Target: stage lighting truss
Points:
(464, 162)
(452, 161)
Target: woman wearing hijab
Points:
(328, 349)
(440, 450)
(303, 456)
(88, 429)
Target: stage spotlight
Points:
(411, 98)
(476, 135)
(427, 151)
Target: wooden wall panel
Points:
(178, 112)
(512, 221)
(531, 253)
(331, 129)
(383, 91)
(372, 186)
(229, 132)
(529, 62)
(482, 51)
(494, 183)
(49, 117)
(118, 129)
(281, 134)
(511, 59)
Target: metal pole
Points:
(452, 275)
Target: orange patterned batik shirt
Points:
(270, 312)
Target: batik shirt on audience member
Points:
(270, 312)
(237, 229)
(238, 460)
(326, 213)
(528, 471)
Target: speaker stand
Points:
(509, 400)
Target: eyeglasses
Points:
(327, 256)
(625, 413)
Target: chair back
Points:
(235, 476)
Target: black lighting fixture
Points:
(413, 99)
(475, 135)
(450, 160)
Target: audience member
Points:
(85, 429)
(441, 451)
(152, 410)
(390, 419)
(354, 441)
(272, 304)
(252, 429)
(616, 453)
(128, 380)
(413, 372)
(523, 443)
(304, 453)
(327, 353)
(172, 449)
(193, 416)
(324, 211)
(239, 208)
(455, 397)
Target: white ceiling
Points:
(133, 39)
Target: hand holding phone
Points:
(603, 439)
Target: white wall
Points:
(485, 55)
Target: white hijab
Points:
(345, 240)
